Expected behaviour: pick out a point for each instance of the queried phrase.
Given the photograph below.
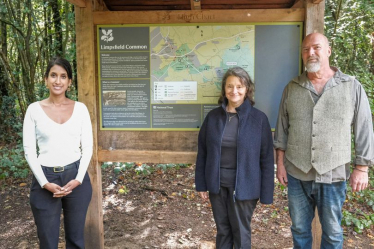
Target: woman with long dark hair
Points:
(57, 139)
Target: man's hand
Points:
(359, 178)
(281, 170)
(282, 174)
(204, 195)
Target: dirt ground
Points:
(158, 210)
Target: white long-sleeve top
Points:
(59, 144)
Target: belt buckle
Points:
(58, 169)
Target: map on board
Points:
(191, 60)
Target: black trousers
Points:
(233, 219)
(47, 210)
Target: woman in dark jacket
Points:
(235, 160)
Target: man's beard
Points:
(313, 67)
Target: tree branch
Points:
(14, 26)
(11, 77)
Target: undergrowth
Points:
(141, 168)
(358, 211)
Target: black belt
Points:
(59, 169)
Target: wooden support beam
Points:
(298, 4)
(195, 4)
(199, 16)
(78, 3)
(204, 7)
(314, 22)
(87, 90)
(154, 156)
(316, 231)
(314, 17)
(99, 5)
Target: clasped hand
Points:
(59, 191)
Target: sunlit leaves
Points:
(349, 26)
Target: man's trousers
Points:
(303, 198)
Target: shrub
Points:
(13, 163)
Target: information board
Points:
(168, 77)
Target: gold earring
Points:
(69, 88)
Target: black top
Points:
(229, 152)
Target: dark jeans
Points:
(303, 197)
(233, 219)
(47, 210)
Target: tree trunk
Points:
(336, 18)
(65, 14)
(3, 77)
(46, 45)
(57, 25)
(15, 87)
(74, 60)
(372, 54)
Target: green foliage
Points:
(12, 160)
(358, 220)
(34, 32)
(123, 190)
(13, 163)
(349, 26)
(118, 166)
(283, 189)
(358, 210)
(144, 169)
(274, 214)
(141, 169)
(31, 32)
(177, 166)
(10, 122)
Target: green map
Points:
(199, 54)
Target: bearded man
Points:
(318, 111)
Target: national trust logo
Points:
(107, 35)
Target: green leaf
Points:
(117, 170)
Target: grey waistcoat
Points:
(320, 134)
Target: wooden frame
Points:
(78, 3)
(92, 12)
(94, 230)
(195, 4)
(182, 145)
(314, 22)
(202, 16)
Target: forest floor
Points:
(157, 210)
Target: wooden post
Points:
(94, 231)
(78, 3)
(195, 4)
(314, 17)
(316, 231)
(314, 22)
(91, 12)
(199, 16)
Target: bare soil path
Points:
(158, 210)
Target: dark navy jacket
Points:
(255, 158)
